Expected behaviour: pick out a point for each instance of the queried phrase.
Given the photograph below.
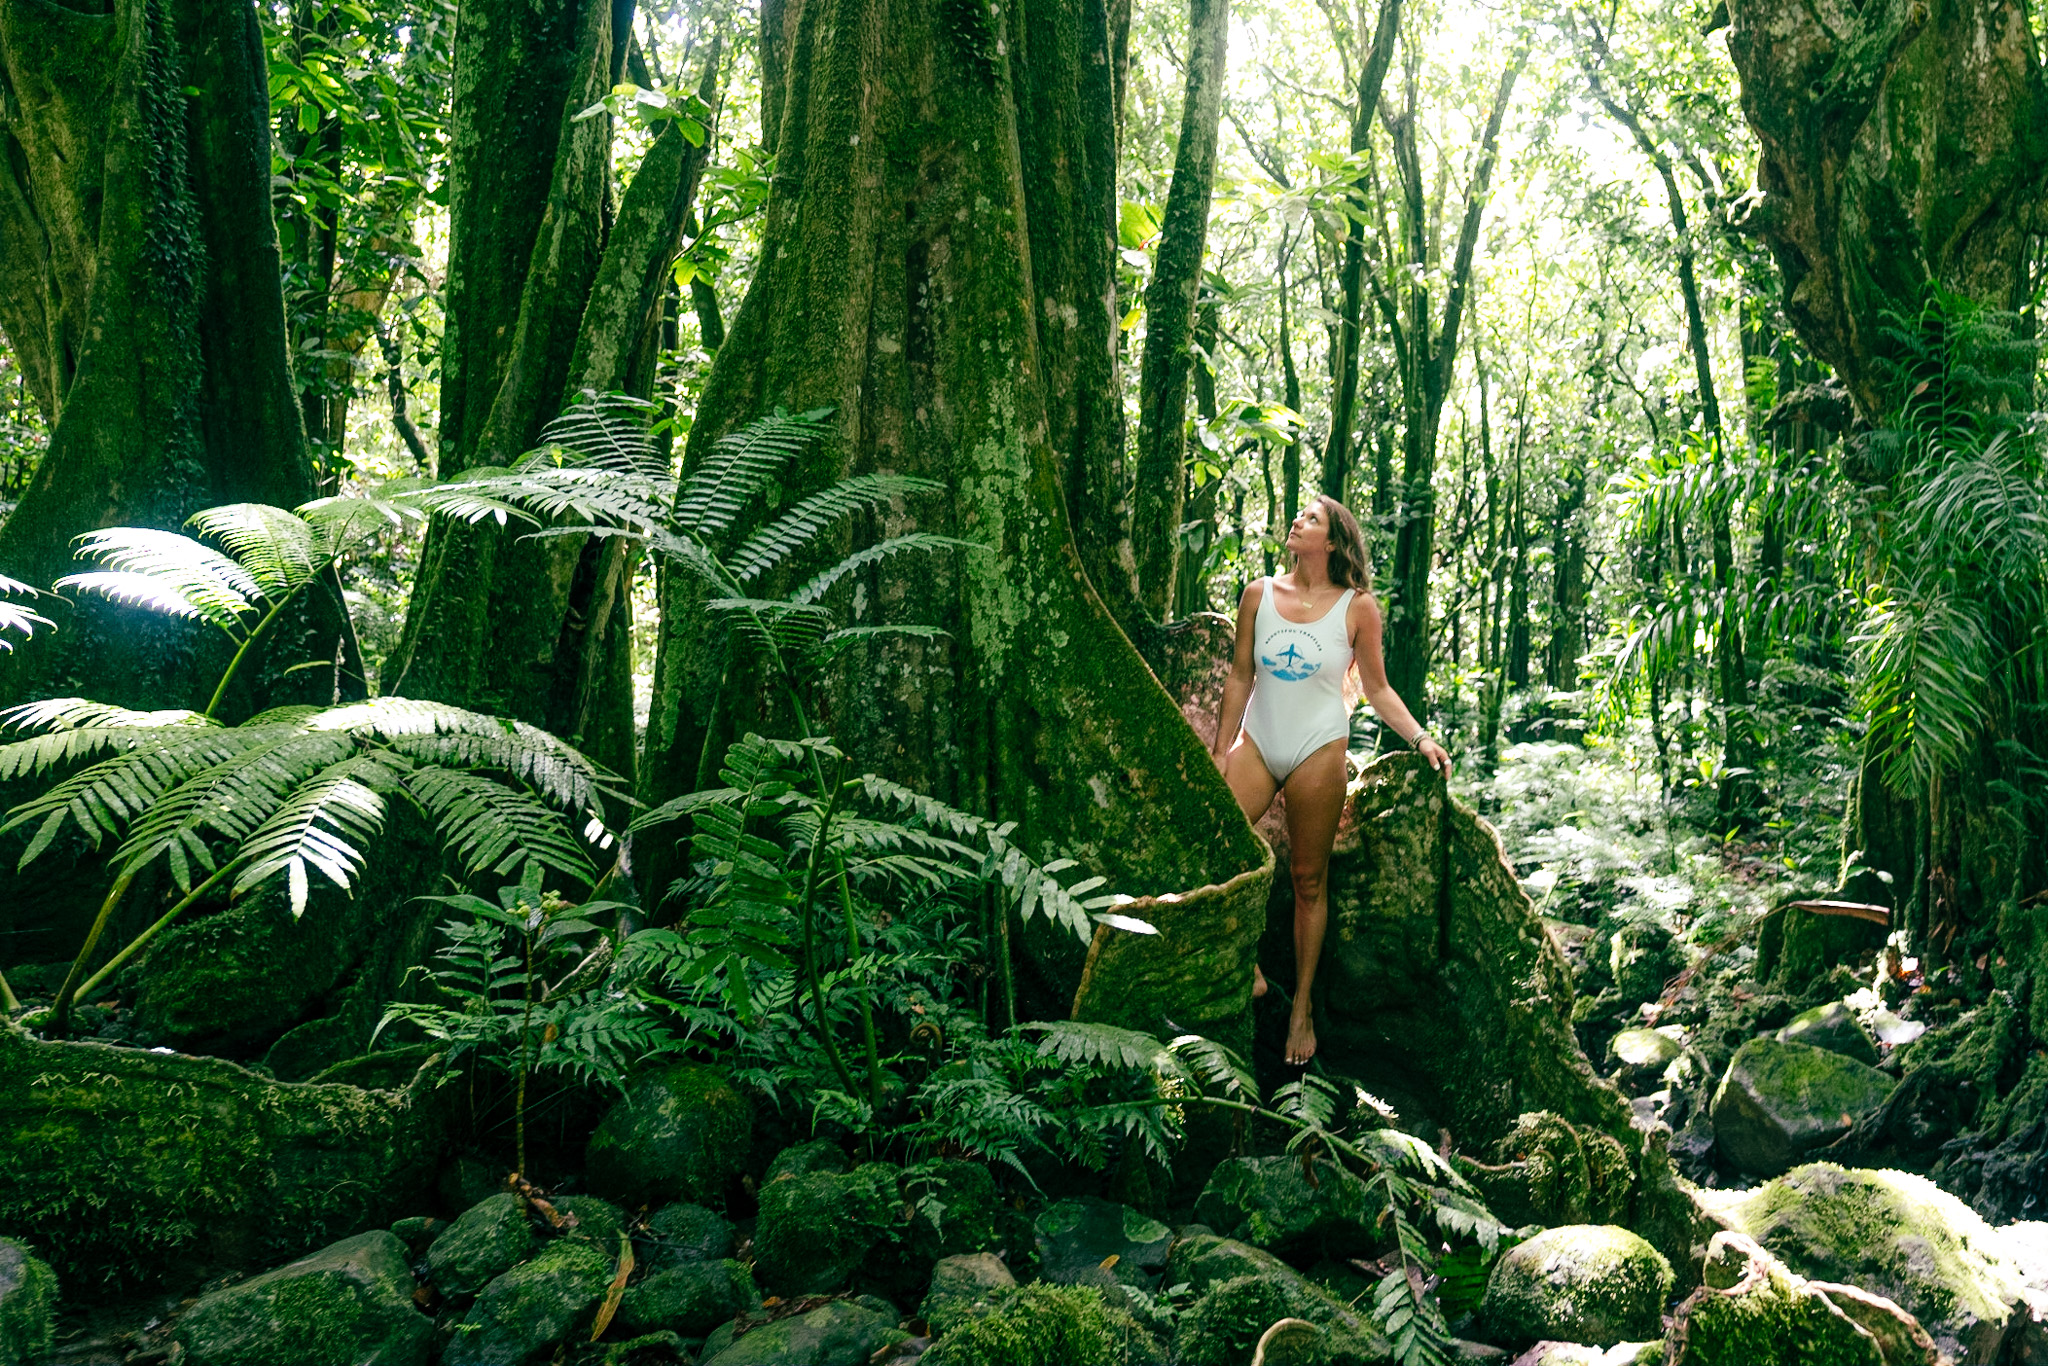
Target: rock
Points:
(1046, 1325)
(957, 1209)
(490, 1238)
(1274, 1203)
(1649, 1048)
(418, 1233)
(533, 1306)
(1642, 957)
(1579, 1354)
(1892, 1234)
(841, 1333)
(679, 1133)
(1224, 1326)
(1200, 1260)
(682, 1233)
(1293, 1342)
(689, 1300)
(1779, 1102)
(597, 1221)
(1077, 1234)
(1756, 1311)
(468, 1180)
(122, 1164)
(1592, 1283)
(1833, 1027)
(819, 1155)
(1550, 1171)
(964, 1288)
(349, 1304)
(28, 1304)
(813, 1232)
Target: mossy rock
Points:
(1780, 1102)
(1550, 1171)
(678, 1234)
(487, 1241)
(963, 1288)
(813, 1232)
(1892, 1234)
(1641, 958)
(1048, 1325)
(801, 1159)
(1592, 1283)
(1199, 1260)
(689, 1300)
(123, 1164)
(1076, 1235)
(1834, 1027)
(599, 1222)
(535, 1305)
(1754, 1311)
(419, 1232)
(841, 1333)
(346, 1305)
(1224, 1326)
(28, 1304)
(1277, 1203)
(679, 1133)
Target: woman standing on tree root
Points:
(1297, 636)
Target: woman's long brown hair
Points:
(1350, 566)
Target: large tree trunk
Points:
(1159, 496)
(898, 284)
(141, 297)
(547, 298)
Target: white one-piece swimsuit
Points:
(1297, 703)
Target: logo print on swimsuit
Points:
(1290, 665)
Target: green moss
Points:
(1048, 1325)
(1778, 1102)
(690, 1300)
(1550, 1171)
(1277, 1203)
(813, 1232)
(28, 1304)
(1754, 1312)
(679, 1133)
(348, 1303)
(1581, 1283)
(487, 1241)
(1225, 1324)
(122, 1164)
(681, 1233)
(536, 1303)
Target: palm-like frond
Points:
(75, 728)
(1080, 1043)
(608, 431)
(437, 733)
(1214, 1065)
(803, 523)
(168, 573)
(325, 824)
(276, 548)
(738, 466)
(920, 541)
(492, 827)
(16, 616)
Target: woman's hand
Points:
(1439, 758)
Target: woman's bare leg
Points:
(1251, 782)
(1315, 799)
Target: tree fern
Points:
(738, 467)
(15, 615)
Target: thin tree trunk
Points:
(1158, 495)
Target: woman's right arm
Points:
(1237, 689)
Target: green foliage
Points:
(15, 615)
(1048, 1325)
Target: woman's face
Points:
(1311, 529)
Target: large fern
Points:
(15, 615)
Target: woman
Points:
(1297, 636)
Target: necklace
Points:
(1308, 600)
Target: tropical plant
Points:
(494, 1003)
(15, 615)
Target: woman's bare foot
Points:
(1301, 1039)
(1258, 982)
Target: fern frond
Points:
(436, 733)
(1213, 1065)
(15, 616)
(1079, 1043)
(803, 523)
(833, 643)
(916, 541)
(737, 468)
(166, 572)
(685, 805)
(325, 824)
(495, 828)
(608, 432)
(280, 551)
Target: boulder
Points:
(841, 1333)
(1200, 1260)
(125, 1164)
(801, 1159)
(689, 1300)
(1780, 1102)
(1591, 1283)
(1642, 956)
(963, 1288)
(418, 1232)
(1833, 1027)
(679, 1133)
(1550, 1171)
(1292, 1342)
(1076, 1235)
(349, 1304)
(597, 1221)
(28, 1304)
(1224, 1326)
(678, 1234)
(489, 1239)
(1755, 1311)
(535, 1305)
(813, 1232)
(1046, 1325)
(1579, 1354)
(1279, 1204)
(1892, 1234)
(1646, 1048)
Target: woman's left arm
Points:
(1386, 703)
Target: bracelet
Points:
(1420, 736)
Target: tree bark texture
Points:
(1904, 141)
(141, 293)
(1158, 497)
(898, 285)
(543, 305)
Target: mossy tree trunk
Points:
(900, 283)
(552, 291)
(1903, 147)
(1159, 495)
(142, 299)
